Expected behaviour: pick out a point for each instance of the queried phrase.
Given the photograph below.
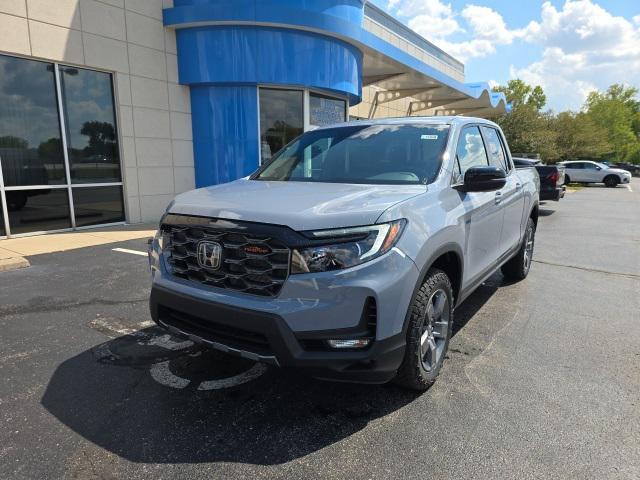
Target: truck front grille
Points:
(251, 263)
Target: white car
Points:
(584, 171)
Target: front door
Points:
(511, 196)
(483, 213)
(591, 172)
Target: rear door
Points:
(576, 172)
(483, 215)
(511, 196)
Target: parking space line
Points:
(629, 188)
(132, 252)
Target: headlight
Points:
(346, 247)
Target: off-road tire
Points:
(518, 267)
(412, 373)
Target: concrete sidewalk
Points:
(14, 250)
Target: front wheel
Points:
(611, 181)
(518, 267)
(567, 179)
(428, 333)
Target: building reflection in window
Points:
(30, 140)
(281, 119)
(91, 125)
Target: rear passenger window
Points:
(497, 157)
(470, 150)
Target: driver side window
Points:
(497, 157)
(470, 150)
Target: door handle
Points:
(518, 186)
(498, 197)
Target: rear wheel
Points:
(567, 179)
(428, 332)
(518, 267)
(611, 181)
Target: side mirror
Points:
(598, 168)
(483, 179)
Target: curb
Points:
(14, 263)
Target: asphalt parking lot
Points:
(542, 379)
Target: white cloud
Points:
(585, 48)
(437, 21)
(488, 24)
(430, 18)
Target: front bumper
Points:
(554, 194)
(290, 330)
(266, 337)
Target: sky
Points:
(569, 47)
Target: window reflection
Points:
(30, 145)
(96, 205)
(38, 210)
(281, 119)
(470, 151)
(90, 121)
(326, 110)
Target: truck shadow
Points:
(144, 397)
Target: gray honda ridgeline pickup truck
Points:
(345, 255)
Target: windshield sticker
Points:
(428, 137)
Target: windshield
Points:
(370, 154)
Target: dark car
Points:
(630, 167)
(551, 177)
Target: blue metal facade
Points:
(224, 64)
(228, 48)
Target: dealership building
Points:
(109, 108)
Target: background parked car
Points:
(583, 171)
(551, 178)
(630, 167)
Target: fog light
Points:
(351, 343)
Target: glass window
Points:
(497, 157)
(281, 119)
(30, 142)
(326, 110)
(38, 210)
(470, 150)
(589, 166)
(91, 126)
(96, 205)
(370, 154)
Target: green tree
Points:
(526, 128)
(616, 111)
(9, 141)
(520, 93)
(529, 131)
(579, 136)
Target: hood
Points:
(618, 170)
(299, 205)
